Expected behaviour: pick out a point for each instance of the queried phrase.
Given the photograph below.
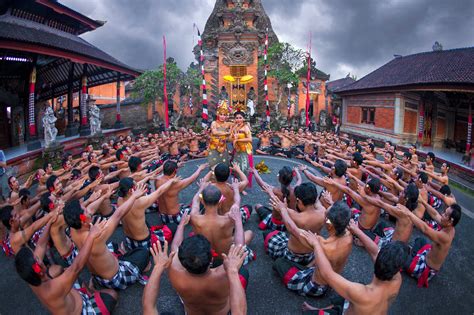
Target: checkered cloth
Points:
(251, 256)
(127, 275)
(434, 201)
(69, 258)
(387, 238)
(157, 233)
(92, 305)
(303, 259)
(433, 224)
(175, 218)
(267, 149)
(276, 243)
(270, 223)
(419, 268)
(245, 212)
(301, 282)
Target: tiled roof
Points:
(340, 83)
(455, 66)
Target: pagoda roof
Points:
(339, 83)
(56, 50)
(454, 68)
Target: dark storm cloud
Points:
(348, 36)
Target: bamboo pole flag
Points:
(308, 78)
(165, 99)
(205, 115)
(265, 57)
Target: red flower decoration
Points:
(214, 254)
(293, 173)
(51, 206)
(83, 218)
(36, 268)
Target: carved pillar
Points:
(33, 142)
(118, 122)
(84, 129)
(71, 129)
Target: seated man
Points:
(222, 174)
(373, 298)
(337, 247)
(170, 208)
(57, 294)
(265, 147)
(137, 233)
(219, 230)
(108, 270)
(426, 259)
(202, 289)
(306, 217)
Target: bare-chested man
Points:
(265, 146)
(337, 247)
(203, 290)
(57, 294)
(107, 270)
(219, 229)
(427, 259)
(373, 298)
(286, 144)
(170, 208)
(307, 216)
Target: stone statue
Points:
(174, 119)
(250, 101)
(94, 116)
(156, 120)
(50, 131)
(302, 117)
(323, 119)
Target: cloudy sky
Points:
(348, 36)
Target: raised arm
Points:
(195, 205)
(435, 236)
(239, 236)
(232, 263)
(243, 179)
(146, 201)
(299, 179)
(179, 235)
(191, 179)
(431, 211)
(259, 179)
(315, 179)
(236, 190)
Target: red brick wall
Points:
(354, 114)
(384, 118)
(460, 130)
(410, 123)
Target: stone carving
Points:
(50, 131)
(94, 116)
(250, 101)
(302, 117)
(237, 53)
(223, 95)
(156, 120)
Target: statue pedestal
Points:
(54, 154)
(96, 140)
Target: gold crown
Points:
(223, 108)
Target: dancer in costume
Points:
(220, 131)
(242, 140)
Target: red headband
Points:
(36, 268)
(51, 205)
(83, 218)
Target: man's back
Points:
(217, 229)
(168, 201)
(206, 293)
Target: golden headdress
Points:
(223, 108)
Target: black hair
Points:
(390, 153)
(45, 201)
(389, 143)
(89, 157)
(50, 182)
(64, 161)
(133, 163)
(358, 158)
(211, 195)
(372, 146)
(399, 172)
(124, 186)
(346, 142)
(76, 173)
(340, 168)
(411, 196)
(285, 177)
(445, 190)
(448, 166)
(339, 215)
(431, 155)
(455, 214)
(23, 194)
(239, 113)
(94, 171)
(6, 215)
(423, 177)
(358, 148)
(356, 142)
(407, 155)
(221, 172)
(105, 151)
(118, 153)
(45, 165)
(374, 185)
(390, 260)
(307, 193)
(24, 261)
(72, 212)
(169, 167)
(195, 254)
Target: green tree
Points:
(284, 61)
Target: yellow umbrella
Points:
(246, 79)
(229, 78)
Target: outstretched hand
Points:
(234, 260)
(160, 255)
(140, 190)
(98, 228)
(353, 226)
(310, 237)
(277, 204)
(234, 213)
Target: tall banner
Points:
(421, 123)
(308, 79)
(165, 99)
(265, 82)
(83, 100)
(205, 114)
(31, 103)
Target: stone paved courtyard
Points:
(451, 292)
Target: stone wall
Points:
(133, 114)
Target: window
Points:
(238, 71)
(368, 115)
